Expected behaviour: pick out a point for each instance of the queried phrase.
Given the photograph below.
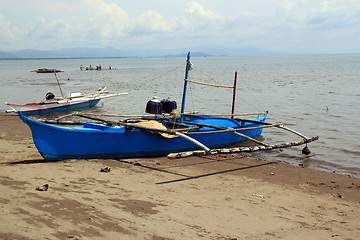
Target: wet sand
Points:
(214, 197)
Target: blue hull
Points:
(70, 107)
(93, 141)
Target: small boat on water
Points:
(149, 136)
(50, 104)
(47, 70)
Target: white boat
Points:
(50, 104)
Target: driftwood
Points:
(241, 149)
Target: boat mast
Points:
(234, 95)
(59, 84)
(185, 85)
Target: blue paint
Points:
(187, 68)
(100, 141)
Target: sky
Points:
(298, 26)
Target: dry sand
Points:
(217, 197)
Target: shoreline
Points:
(213, 197)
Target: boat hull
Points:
(59, 106)
(75, 101)
(47, 70)
(93, 141)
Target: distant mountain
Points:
(85, 52)
(183, 54)
(236, 51)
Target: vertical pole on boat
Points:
(58, 84)
(185, 85)
(234, 94)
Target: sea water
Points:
(312, 94)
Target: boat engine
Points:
(168, 105)
(154, 106)
(49, 96)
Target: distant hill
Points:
(84, 52)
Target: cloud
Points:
(106, 16)
(197, 22)
(196, 9)
(45, 29)
(151, 22)
(275, 25)
(316, 25)
(7, 34)
(302, 14)
(334, 15)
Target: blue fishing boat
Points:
(101, 141)
(144, 138)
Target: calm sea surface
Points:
(313, 94)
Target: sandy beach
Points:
(214, 197)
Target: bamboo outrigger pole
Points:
(176, 133)
(232, 130)
(241, 149)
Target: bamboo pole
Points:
(234, 95)
(232, 130)
(228, 129)
(65, 116)
(226, 114)
(115, 115)
(247, 137)
(242, 129)
(58, 84)
(60, 122)
(293, 131)
(190, 139)
(241, 149)
(208, 84)
(215, 115)
(206, 149)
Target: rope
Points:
(154, 78)
(209, 84)
(237, 96)
(226, 115)
(242, 129)
(191, 97)
(205, 73)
